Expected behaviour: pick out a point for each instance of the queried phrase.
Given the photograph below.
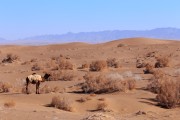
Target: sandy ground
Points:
(124, 105)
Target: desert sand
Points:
(122, 105)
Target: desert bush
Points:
(121, 45)
(156, 81)
(169, 94)
(9, 104)
(151, 54)
(61, 103)
(46, 89)
(65, 65)
(131, 84)
(140, 63)
(98, 65)
(10, 58)
(83, 99)
(148, 69)
(36, 67)
(62, 75)
(112, 62)
(5, 87)
(102, 106)
(99, 84)
(85, 66)
(162, 62)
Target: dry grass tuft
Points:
(10, 58)
(156, 81)
(112, 62)
(103, 84)
(169, 94)
(84, 99)
(5, 87)
(9, 104)
(98, 65)
(65, 65)
(84, 66)
(98, 84)
(61, 103)
(140, 63)
(162, 62)
(62, 76)
(102, 106)
(149, 69)
(46, 89)
(36, 67)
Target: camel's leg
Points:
(37, 87)
(27, 83)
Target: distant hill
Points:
(102, 36)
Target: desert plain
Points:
(137, 103)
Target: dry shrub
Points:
(9, 104)
(98, 65)
(131, 84)
(140, 63)
(156, 81)
(102, 106)
(101, 99)
(33, 60)
(84, 99)
(56, 89)
(121, 45)
(46, 89)
(103, 84)
(99, 116)
(10, 58)
(61, 103)
(151, 54)
(169, 94)
(62, 75)
(5, 87)
(65, 65)
(84, 66)
(149, 69)
(162, 62)
(36, 67)
(99, 84)
(112, 62)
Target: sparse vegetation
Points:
(10, 58)
(65, 65)
(62, 103)
(98, 65)
(156, 81)
(36, 67)
(162, 62)
(84, 66)
(102, 84)
(112, 62)
(5, 87)
(169, 94)
(102, 106)
(62, 75)
(140, 63)
(149, 69)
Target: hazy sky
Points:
(24, 18)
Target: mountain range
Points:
(98, 37)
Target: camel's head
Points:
(46, 76)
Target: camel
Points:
(36, 79)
